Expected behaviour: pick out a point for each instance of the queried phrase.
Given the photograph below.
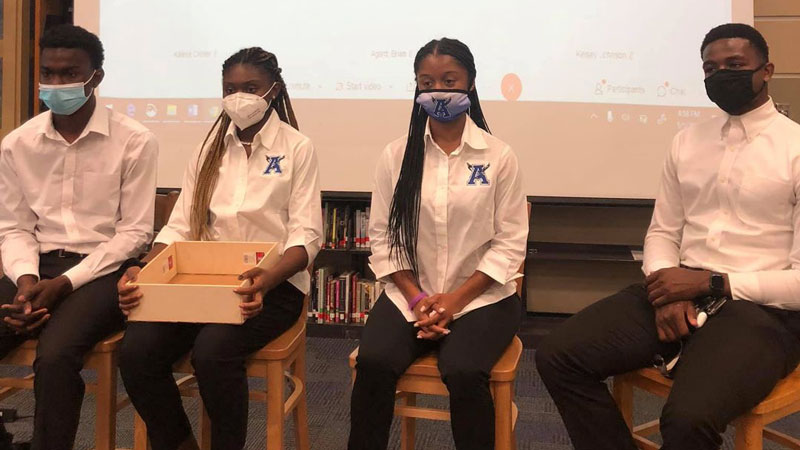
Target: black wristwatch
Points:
(717, 285)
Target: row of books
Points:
(345, 227)
(341, 298)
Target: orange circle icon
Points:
(511, 86)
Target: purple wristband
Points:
(416, 300)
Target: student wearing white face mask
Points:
(254, 178)
(77, 188)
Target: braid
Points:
(403, 227)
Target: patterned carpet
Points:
(539, 425)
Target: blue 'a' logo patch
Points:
(441, 110)
(477, 174)
(273, 165)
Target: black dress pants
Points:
(466, 356)
(78, 322)
(219, 352)
(726, 368)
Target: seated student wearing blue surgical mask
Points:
(448, 229)
(77, 193)
(254, 178)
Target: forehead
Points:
(65, 57)
(436, 64)
(728, 48)
(242, 73)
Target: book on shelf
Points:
(345, 226)
(341, 297)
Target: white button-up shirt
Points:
(473, 216)
(94, 196)
(272, 196)
(728, 203)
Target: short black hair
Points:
(71, 36)
(738, 30)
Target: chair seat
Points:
(283, 345)
(786, 392)
(104, 346)
(427, 365)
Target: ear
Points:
(770, 71)
(276, 90)
(98, 77)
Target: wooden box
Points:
(193, 281)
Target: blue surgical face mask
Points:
(444, 105)
(65, 99)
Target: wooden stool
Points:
(103, 360)
(783, 401)
(423, 377)
(284, 356)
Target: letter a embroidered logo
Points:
(441, 110)
(273, 165)
(478, 174)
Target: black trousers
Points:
(219, 351)
(726, 368)
(466, 356)
(80, 321)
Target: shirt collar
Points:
(98, 123)
(753, 122)
(472, 136)
(265, 136)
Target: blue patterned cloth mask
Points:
(444, 105)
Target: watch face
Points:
(717, 281)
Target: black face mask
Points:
(732, 90)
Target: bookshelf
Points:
(343, 286)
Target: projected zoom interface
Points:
(616, 51)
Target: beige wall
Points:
(779, 21)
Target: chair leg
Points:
(503, 416)
(623, 395)
(300, 412)
(140, 441)
(106, 403)
(275, 388)
(749, 433)
(205, 428)
(408, 425)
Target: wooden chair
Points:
(423, 378)
(783, 401)
(103, 360)
(164, 205)
(285, 356)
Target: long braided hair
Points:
(209, 170)
(404, 211)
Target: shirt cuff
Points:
(300, 240)
(657, 265)
(19, 270)
(498, 268)
(167, 236)
(745, 286)
(385, 268)
(78, 276)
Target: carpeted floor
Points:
(539, 425)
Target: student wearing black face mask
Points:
(725, 225)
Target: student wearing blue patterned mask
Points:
(448, 232)
(77, 192)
